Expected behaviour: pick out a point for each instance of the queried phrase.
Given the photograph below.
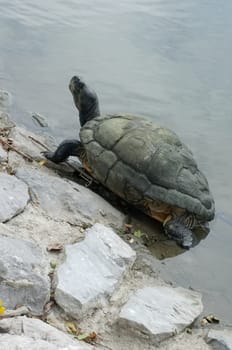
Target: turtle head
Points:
(176, 229)
(75, 85)
(85, 100)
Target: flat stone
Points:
(220, 339)
(160, 311)
(22, 275)
(64, 200)
(92, 270)
(14, 196)
(34, 334)
(30, 143)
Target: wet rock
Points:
(5, 122)
(220, 339)
(92, 270)
(23, 281)
(161, 311)
(64, 200)
(14, 196)
(5, 99)
(34, 334)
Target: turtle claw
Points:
(50, 156)
(47, 154)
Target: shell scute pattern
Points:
(134, 157)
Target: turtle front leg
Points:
(175, 228)
(64, 150)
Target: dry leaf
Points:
(209, 319)
(212, 319)
(91, 338)
(128, 225)
(72, 328)
(54, 247)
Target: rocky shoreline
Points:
(68, 280)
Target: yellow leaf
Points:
(42, 162)
(2, 310)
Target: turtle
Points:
(142, 162)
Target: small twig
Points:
(39, 142)
(40, 120)
(5, 143)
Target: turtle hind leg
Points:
(176, 229)
(64, 150)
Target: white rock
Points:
(23, 281)
(220, 339)
(34, 334)
(64, 200)
(92, 270)
(14, 196)
(3, 155)
(160, 311)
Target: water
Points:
(166, 59)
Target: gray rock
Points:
(14, 196)
(21, 284)
(3, 155)
(18, 342)
(92, 270)
(64, 200)
(30, 143)
(34, 334)
(160, 311)
(220, 339)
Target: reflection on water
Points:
(166, 59)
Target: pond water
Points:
(168, 60)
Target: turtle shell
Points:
(139, 160)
